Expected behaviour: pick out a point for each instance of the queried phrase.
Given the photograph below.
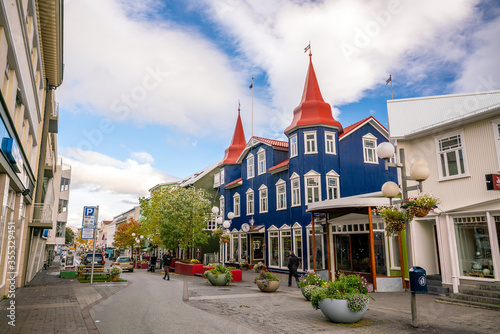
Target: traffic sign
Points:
(87, 233)
(89, 215)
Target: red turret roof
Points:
(237, 144)
(312, 110)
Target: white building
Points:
(459, 136)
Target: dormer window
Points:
(310, 142)
(261, 161)
(250, 166)
(369, 149)
(293, 146)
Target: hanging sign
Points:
(493, 181)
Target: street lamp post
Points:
(219, 220)
(419, 171)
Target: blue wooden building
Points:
(268, 184)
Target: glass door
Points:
(257, 249)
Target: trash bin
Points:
(418, 280)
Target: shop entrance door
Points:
(257, 251)
(352, 253)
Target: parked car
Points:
(125, 263)
(98, 259)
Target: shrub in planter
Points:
(259, 267)
(266, 281)
(194, 261)
(419, 206)
(219, 271)
(115, 272)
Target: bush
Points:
(265, 277)
(194, 261)
(220, 269)
(311, 279)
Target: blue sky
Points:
(151, 88)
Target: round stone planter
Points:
(303, 294)
(219, 281)
(273, 286)
(336, 310)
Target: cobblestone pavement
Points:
(49, 304)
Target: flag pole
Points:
(392, 94)
(252, 109)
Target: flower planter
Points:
(237, 275)
(250, 266)
(303, 293)
(336, 310)
(188, 268)
(172, 265)
(219, 281)
(205, 268)
(144, 265)
(421, 212)
(273, 286)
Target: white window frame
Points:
(310, 142)
(465, 172)
(293, 146)
(261, 161)
(496, 136)
(297, 232)
(332, 175)
(279, 184)
(330, 147)
(369, 138)
(250, 166)
(250, 204)
(392, 245)
(295, 191)
(263, 202)
(284, 232)
(236, 204)
(221, 205)
(312, 175)
(222, 176)
(273, 232)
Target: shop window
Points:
(380, 257)
(274, 248)
(451, 156)
(319, 244)
(236, 252)
(297, 246)
(473, 246)
(286, 247)
(243, 248)
(236, 205)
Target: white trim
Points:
(295, 177)
(250, 157)
(237, 195)
(370, 138)
(294, 152)
(391, 250)
(262, 188)
(313, 141)
(250, 191)
(273, 228)
(261, 152)
(285, 227)
(496, 136)
(312, 175)
(334, 147)
(222, 176)
(332, 175)
(465, 172)
(280, 183)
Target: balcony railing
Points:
(42, 216)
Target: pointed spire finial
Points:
(308, 47)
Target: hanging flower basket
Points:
(394, 219)
(419, 206)
(417, 211)
(224, 238)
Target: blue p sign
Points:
(88, 211)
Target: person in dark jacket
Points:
(152, 264)
(167, 259)
(293, 264)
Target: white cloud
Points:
(143, 157)
(97, 179)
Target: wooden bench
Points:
(87, 271)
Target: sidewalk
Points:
(49, 304)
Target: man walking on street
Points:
(293, 264)
(167, 259)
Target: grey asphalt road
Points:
(153, 305)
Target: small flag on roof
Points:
(308, 47)
(388, 80)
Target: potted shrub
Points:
(217, 233)
(115, 272)
(343, 300)
(194, 261)
(225, 238)
(220, 275)
(267, 282)
(394, 219)
(308, 282)
(419, 206)
(244, 265)
(259, 267)
(79, 270)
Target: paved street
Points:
(185, 304)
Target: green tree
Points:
(69, 236)
(177, 216)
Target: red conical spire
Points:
(312, 110)
(237, 144)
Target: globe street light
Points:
(419, 171)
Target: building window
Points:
(236, 205)
(274, 248)
(295, 183)
(395, 255)
(496, 135)
(63, 205)
(297, 245)
(61, 230)
(250, 166)
(243, 247)
(280, 195)
(64, 184)
(313, 192)
(293, 146)
(263, 199)
(222, 206)
(236, 247)
(310, 142)
(222, 176)
(217, 180)
(451, 156)
(286, 247)
(250, 201)
(369, 149)
(261, 161)
(330, 143)
(318, 243)
(210, 224)
(474, 247)
(332, 185)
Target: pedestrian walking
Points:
(167, 259)
(293, 264)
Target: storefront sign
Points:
(493, 181)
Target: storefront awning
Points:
(257, 229)
(348, 204)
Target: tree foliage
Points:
(178, 216)
(83, 243)
(123, 234)
(69, 236)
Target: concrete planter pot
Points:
(336, 310)
(273, 286)
(303, 294)
(219, 281)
